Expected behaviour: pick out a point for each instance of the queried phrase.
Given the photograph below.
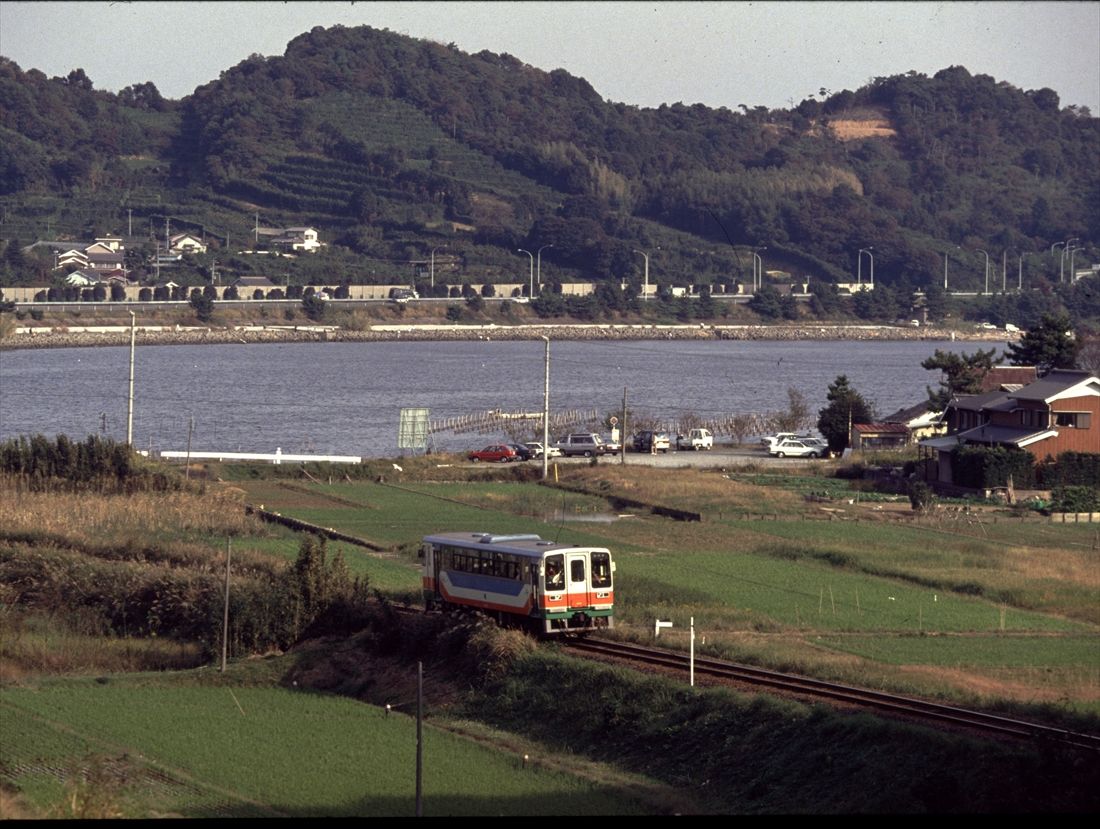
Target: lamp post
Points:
(986, 255)
(645, 288)
(538, 266)
(1072, 253)
(433, 263)
(859, 268)
(531, 285)
(1020, 275)
(1062, 264)
(757, 269)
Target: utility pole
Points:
(225, 614)
(130, 396)
(419, 737)
(622, 443)
(546, 413)
(187, 464)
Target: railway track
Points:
(991, 724)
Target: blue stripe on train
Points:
(489, 584)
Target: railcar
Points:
(548, 587)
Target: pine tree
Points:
(846, 408)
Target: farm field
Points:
(181, 746)
(109, 706)
(968, 610)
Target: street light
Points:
(945, 253)
(986, 269)
(1062, 264)
(538, 265)
(433, 263)
(531, 285)
(757, 263)
(645, 288)
(1072, 253)
(859, 269)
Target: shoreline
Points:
(67, 337)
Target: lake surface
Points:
(345, 398)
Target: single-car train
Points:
(548, 587)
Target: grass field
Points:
(154, 746)
(951, 601)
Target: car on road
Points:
(695, 439)
(582, 443)
(497, 453)
(772, 440)
(648, 441)
(536, 450)
(523, 453)
(792, 448)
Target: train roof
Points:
(519, 544)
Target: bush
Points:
(921, 496)
(982, 467)
(1075, 499)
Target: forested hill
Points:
(394, 146)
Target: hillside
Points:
(396, 147)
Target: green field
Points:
(975, 596)
(227, 751)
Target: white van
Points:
(695, 439)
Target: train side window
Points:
(576, 570)
(601, 570)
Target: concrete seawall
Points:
(247, 335)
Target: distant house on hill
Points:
(186, 243)
(290, 239)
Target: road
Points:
(719, 456)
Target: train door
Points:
(577, 582)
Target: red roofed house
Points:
(878, 436)
(1060, 412)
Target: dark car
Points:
(651, 441)
(522, 451)
(498, 453)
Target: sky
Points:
(772, 54)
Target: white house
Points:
(186, 243)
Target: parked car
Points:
(612, 447)
(523, 453)
(583, 443)
(647, 441)
(771, 440)
(498, 453)
(695, 439)
(536, 450)
(791, 448)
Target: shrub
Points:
(981, 467)
(1075, 499)
(921, 496)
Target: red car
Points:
(498, 453)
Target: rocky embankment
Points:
(164, 335)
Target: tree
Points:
(1049, 345)
(203, 305)
(797, 415)
(846, 408)
(962, 375)
(314, 307)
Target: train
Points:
(546, 587)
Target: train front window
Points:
(601, 569)
(576, 570)
(555, 572)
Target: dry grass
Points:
(691, 489)
(82, 516)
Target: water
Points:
(345, 398)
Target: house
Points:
(73, 257)
(918, 421)
(878, 436)
(84, 278)
(1059, 412)
(290, 239)
(186, 243)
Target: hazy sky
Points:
(773, 54)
